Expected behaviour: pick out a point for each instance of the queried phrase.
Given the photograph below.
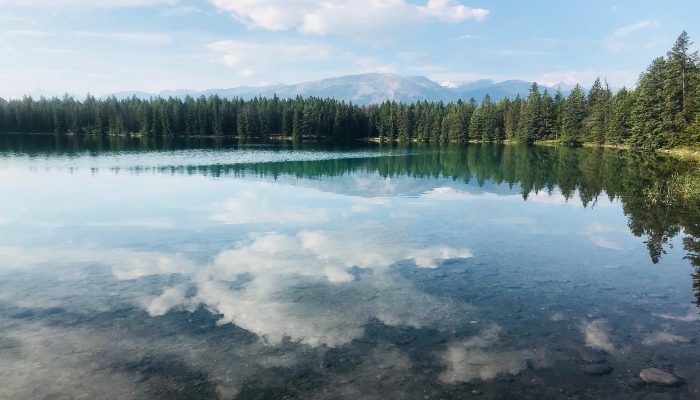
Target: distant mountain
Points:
(364, 89)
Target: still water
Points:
(134, 269)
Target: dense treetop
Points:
(662, 111)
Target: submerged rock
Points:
(597, 369)
(656, 376)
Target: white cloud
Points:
(343, 17)
(446, 193)
(692, 316)
(125, 264)
(290, 275)
(250, 57)
(170, 298)
(451, 11)
(54, 50)
(595, 232)
(520, 52)
(26, 33)
(568, 79)
(251, 208)
(370, 64)
(597, 336)
(469, 37)
(317, 254)
(148, 38)
(471, 359)
(179, 11)
(267, 14)
(615, 43)
(657, 338)
(83, 3)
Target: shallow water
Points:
(209, 269)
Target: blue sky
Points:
(102, 46)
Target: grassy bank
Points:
(688, 153)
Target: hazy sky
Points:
(101, 46)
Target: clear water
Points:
(143, 269)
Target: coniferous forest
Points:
(662, 111)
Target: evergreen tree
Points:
(573, 116)
(529, 123)
(647, 123)
(595, 123)
(620, 121)
(679, 88)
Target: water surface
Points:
(202, 269)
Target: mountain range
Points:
(368, 88)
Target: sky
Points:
(53, 47)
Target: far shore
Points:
(689, 153)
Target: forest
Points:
(662, 111)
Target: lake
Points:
(173, 269)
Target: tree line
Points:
(662, 111)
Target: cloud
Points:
(595, 232)
(251, 57)
(147, 38)
(27, 33)
(451, 11)
(520, 52)
(299, 287)
(84, 4)
(250, 208)
(343, 17)
(318, 254)
(692, 316)
(171, 297)
(567, 79)
(471, 359)
(125, 264)
(370, 64)
(597, 336)
(446, 193)
(658, 338)
(152, 223)
(54, 50)
(179, 11)
(469, 37)
(615, 43)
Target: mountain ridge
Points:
(368, 88)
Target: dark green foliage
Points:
(619, 124)
(573, 116)
(529, 123)
(598, 116)
(663, 111)
(647, 122)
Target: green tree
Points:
(573, 116)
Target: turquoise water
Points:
(226, 270)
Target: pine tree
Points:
(559, 106)
(647, 124)
(678, 88)
(598, 108)
(573, 116)
(529, 123)
(620, 120)
(548, 117)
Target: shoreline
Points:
(686, 153)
